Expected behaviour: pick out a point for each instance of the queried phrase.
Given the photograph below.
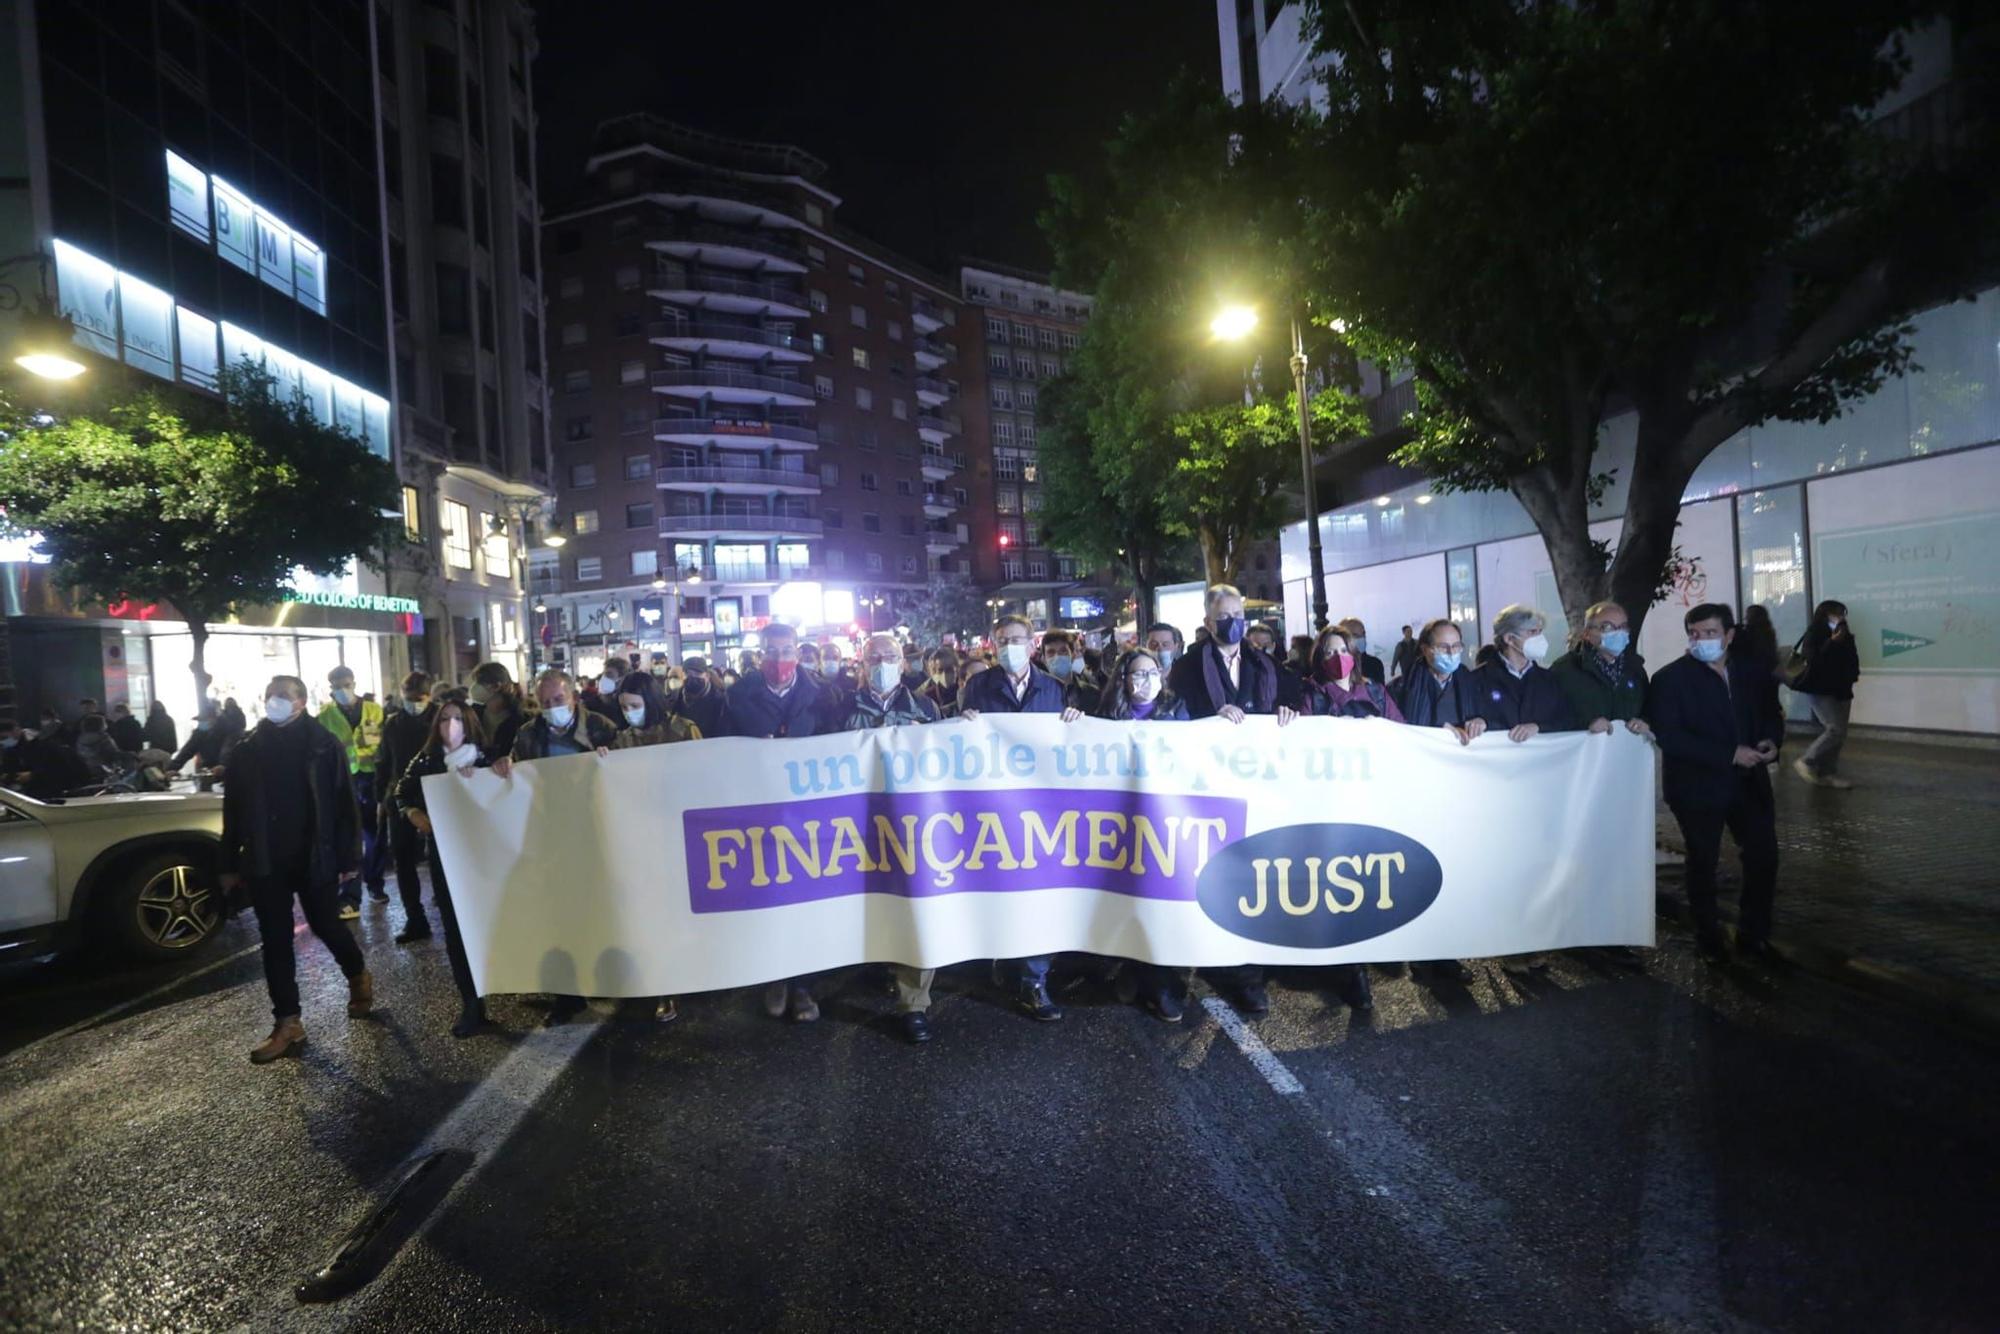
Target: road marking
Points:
(1275, 1074)
(122, 1006)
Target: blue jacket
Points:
(991, 692)
(1699, 722)
(753, 710)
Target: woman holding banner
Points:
(454, 744)
(649, 722)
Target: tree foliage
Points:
(946, 606)
(202, 505)
(1557, 212)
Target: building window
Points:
(1026, 397)
(899, 409)
(589, 569)
(639, 516)
(1048, 339)
(1069, 341)
(569, 240)
(903, 487)
(625, 223)
(1040, 570)
(871, 523)
(908, 523)
(574, 335)
(631, 421)
(576, 428)
(864, 398)
(632, 372)
(857, 273)
(1007, 467)
(457, 535)
(997, 363)
(996, 331)
(628, 278)
(823, 388)
(1024, 335)
(909, 565)
(576, 382)
(817, 300)
(1003, 397)
(858, 316)
(819, 343)
(836, 559)
(873, 560)
(895, 331)
(413, 514)
(1050, 370)
(495, 548)
(447, 190)
(638, 467)
(584, 522)
(628, 326)
(868, 483)
(1003, 433)
(832, 517)
(817, 254)
(646, 563)
(829, 474)
(582, 474)
(454, 297)
(860, 357)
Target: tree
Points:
(202, 505)
(947, 606)
(1558, 212)
(1150, 441)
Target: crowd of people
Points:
(321, 808)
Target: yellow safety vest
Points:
(361, 742)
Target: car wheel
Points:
(164, 906)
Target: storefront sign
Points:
(649, 614)
(354, 601)
(235, 225)
(697, 625)
(87, 292)
(728, 617)
(1922, 597)
(147, 317)
(198, 349)
(248, 235)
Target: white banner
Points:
(730, 862)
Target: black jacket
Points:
(1043, 695)
(1832, 665)
(1425, 703)
(1200, 682)
(753, 710)
(1699, 722)
(704, 710)
(52, 769)
(1505, 702)
(403, 735)
(333, 843)
(1371, 669)
(160, 733)
(129, 733)
(210, 746)
(407, 792)
(592, 730)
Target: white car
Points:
(136, 870)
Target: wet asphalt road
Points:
(1589, 1149)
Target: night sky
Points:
(940, 122)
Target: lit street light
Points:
(1234, 323)
(45, 346)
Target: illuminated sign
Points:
(650, 613)
(187, 197)
(147, 317)
(246, 234)
(729, 617)
(235, 225)
(697, 625)
(87, 292)
(353, 601)
(199, 364)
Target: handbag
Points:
(1797, 664)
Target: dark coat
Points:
(408, 791)
(1202, 684)
(943, 698)
(991, 692)
(1832, 665)
(210, 746)
(160, 733)
(1699, 722)
(1409, 654)
(52, 769)
(129, 733)
(1506, 702)
(403, 735)
(865, 710)
(1590, 696)
(1371, 669)
(753, 710)
(500, 725)
(333, 845)
(1427, 703)
(704, 710)
(592, 731)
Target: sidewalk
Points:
(1895, 884)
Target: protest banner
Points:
(730, 862)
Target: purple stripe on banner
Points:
(920, 844)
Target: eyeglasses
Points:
(1137, 677)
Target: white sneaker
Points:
(1804, 770)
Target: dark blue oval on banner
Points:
(1317, 886)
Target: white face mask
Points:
(561, 715)
(636, 715)
(1014, 657)
(1144, 691)
(884, 676)
(279, 709)
(607, 685)
(454, 733)
(412, 706)
(1536, 647)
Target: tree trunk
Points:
(1562, 516)
(1652, 512)
(1142, 593)
(1214, 553)
(198, 634)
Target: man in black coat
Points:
(290, 828)
(404, 732)
(700, 699)
(1409, 653)
(1517, 694)
(1438, 689)
(1717, 730)
(779, 699)
(128, 732)
(1221, 678)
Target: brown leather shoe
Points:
(361, 993)
(286, 1039)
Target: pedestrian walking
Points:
(357, 724)
(1408, 654)
(452, 743)
(1717, 731)
(1828, 665)
(291, 831)
(403, 735)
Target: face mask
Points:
(412, 706)
(1833, 625)
(1536, 648)
(884, 676)
(1447, 662)
(343, 697)
(1360, 644)
(278, 709)
(1144, 690)
(1166, 657)
(561, 716)
(454, 733)
(809, 665)
(1617, 641)
(1706, 650)
(1061, 666)
(1229, 629)
(481, 693)
(204, 725)
(607, 685)
(1014, 658)
(636, 716)
(779, 672)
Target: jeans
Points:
(406, 846)
(272, 900)
(454, 943)
(913, 988)
(1751, 818)
(1823, 756)
(374, 851)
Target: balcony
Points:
(724, 246)
(727, 385)
(931, 354)
(938, 465)
(1387, 409)
(932, 391)
(731, 201)
(927, 315)
(941, 540)
(739, 525)
(730, 338)
(744, 429)
(938, 505)
(791, 481)
(747, 572)
(935, 426)
(720, 291)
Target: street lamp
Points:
(1234, 324)
(46, 345)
